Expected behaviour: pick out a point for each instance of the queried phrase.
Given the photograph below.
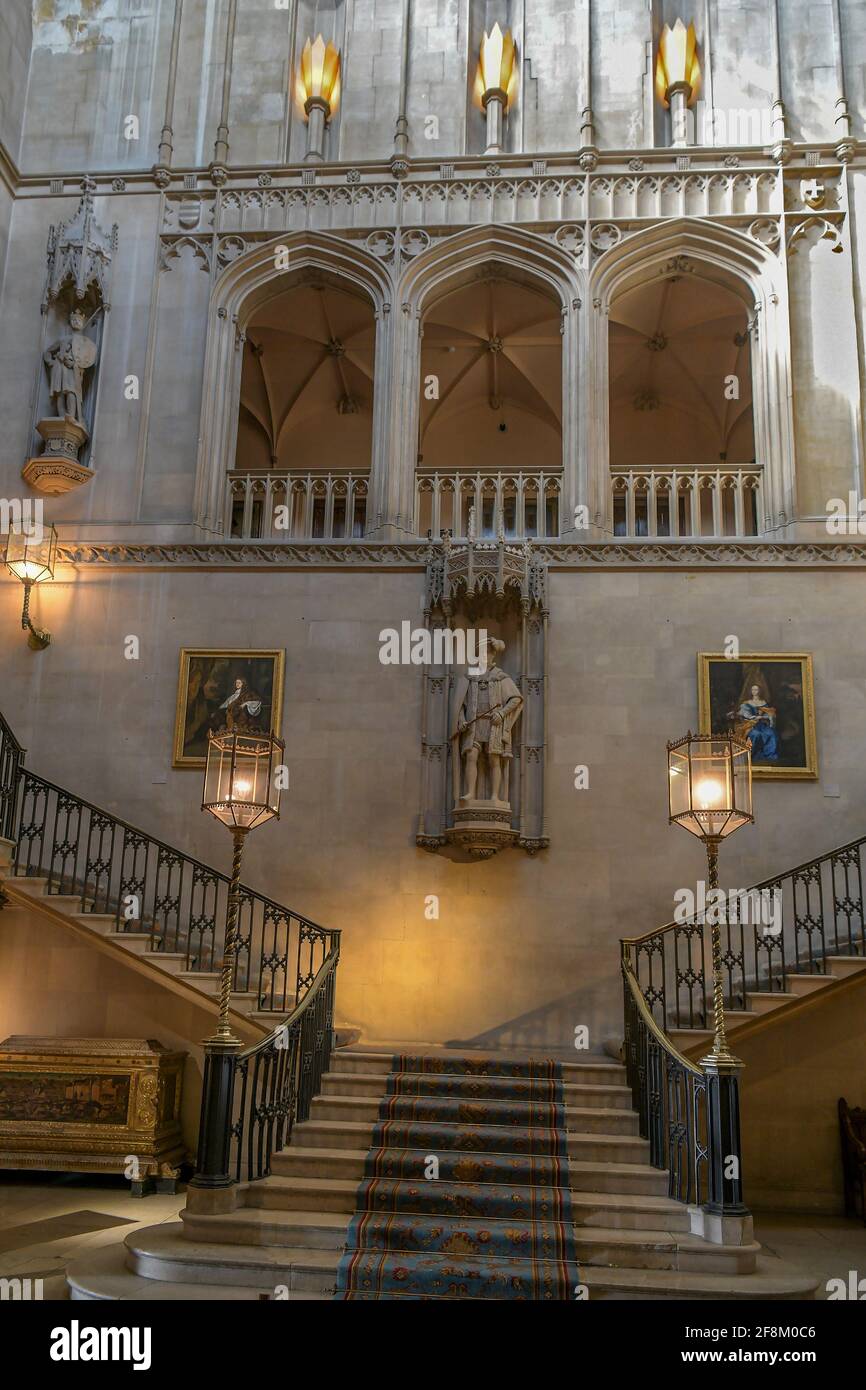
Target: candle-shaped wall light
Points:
(318, 91)
(678, 76)
(496, 83)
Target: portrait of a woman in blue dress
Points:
(756, 721)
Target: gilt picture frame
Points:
(225, 688)
(767, 698)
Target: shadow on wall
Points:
(557, 1027)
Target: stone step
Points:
(182, 1270)
(103, 1276)
(163, 1252)
(615, 1211)
(843, 966)
(208, 981)
(578, 1119)
(252, 1226)
(352, 1134)
(341, 1083)
(765, 1003)
(771, 1279)
(651, 1248)
(800, 985)
(172, 962)
(347, 1164)
(661, 1249)
(361, 1059)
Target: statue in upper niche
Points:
(67, 360)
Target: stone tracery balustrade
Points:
(712, 502)
(527, 503)
(584, 212)
(296, 506)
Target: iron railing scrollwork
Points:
(669, 1094)
(11, 759)
(148, 886)
(250, 1099)
(276, 1080)
(793, 923)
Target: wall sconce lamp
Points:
(31, 559)
(496, 83)
(318, 91)
(678, 76)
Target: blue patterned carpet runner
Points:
(465, 1192)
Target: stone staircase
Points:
(283, 1236)
(136, 950)
(694, 1042)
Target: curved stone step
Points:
(158, 1262)
(771, 1279)
(103, 1275)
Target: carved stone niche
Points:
(74, 305)
(482, 779)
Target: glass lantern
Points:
(32, 558)
(710, 784)
(240, 783)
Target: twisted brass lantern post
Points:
(710, 795)
(242, 791)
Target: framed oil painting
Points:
(768, 699)
(224, 690)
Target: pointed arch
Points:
(247, 283)
(727, 256)
(448, 263)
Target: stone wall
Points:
(96, 63)
(524, 949)
(796, 1068)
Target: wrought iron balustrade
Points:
(274, 1081)
(297, 506)
(250, 1099)
(115, 868)
(791, 924)
(11, 758)
(525, 504)
(680, 502)
(669, 1094)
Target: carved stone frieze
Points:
(640, 554)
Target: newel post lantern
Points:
(242, 790)
(710, 795)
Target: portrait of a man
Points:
(225, 692)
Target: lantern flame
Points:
(677, 62)
(319, 73)
(497, 67)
